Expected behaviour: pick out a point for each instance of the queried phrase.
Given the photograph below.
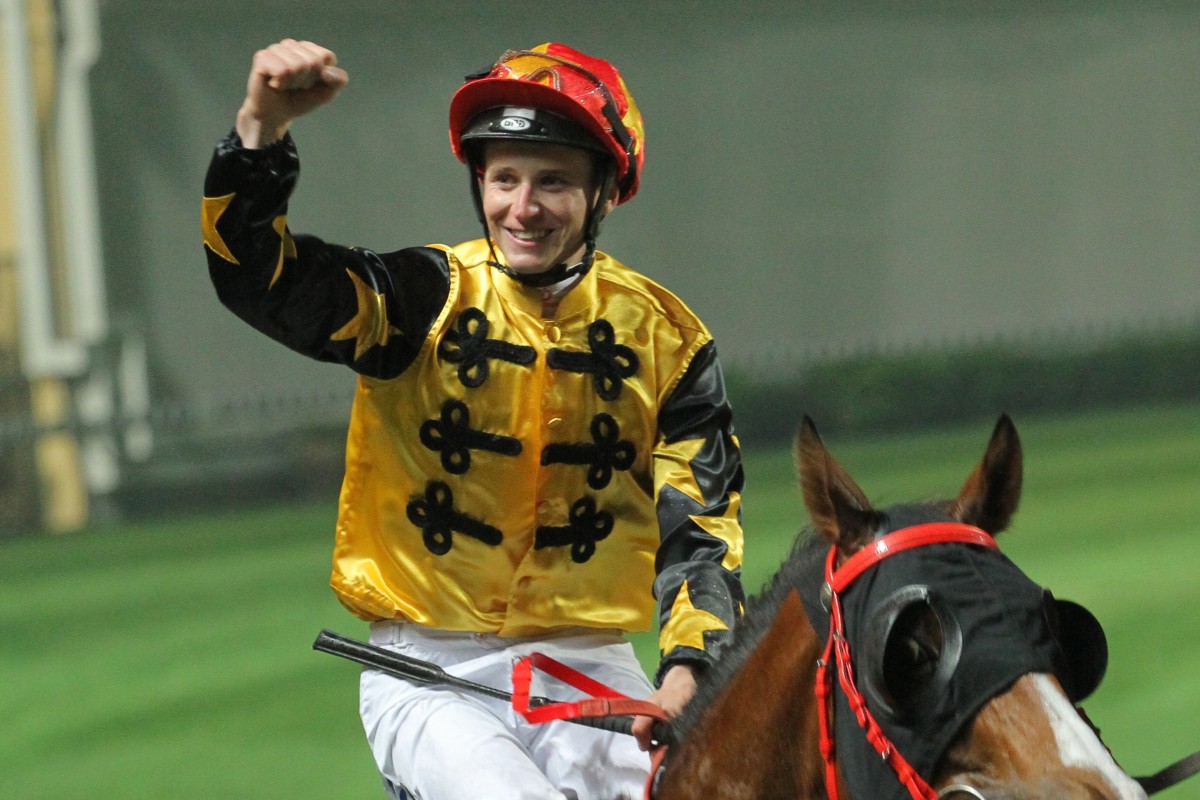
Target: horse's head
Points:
(962, 667)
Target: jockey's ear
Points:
(991, 494)
(838, 508)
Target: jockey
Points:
(540, 454)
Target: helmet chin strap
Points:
(561, 271)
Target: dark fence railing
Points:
(922, 387)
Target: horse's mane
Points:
(750, 628)
(807, 553)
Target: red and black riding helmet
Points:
(558, 95)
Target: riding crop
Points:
(419, 671)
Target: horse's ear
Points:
(990, 496)
(838, 508)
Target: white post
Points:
(85, 259)
(43, 353)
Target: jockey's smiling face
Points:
(535, 200)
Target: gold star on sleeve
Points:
(287, 246)
(726, 528)
(687, 624)
(210, 213)
(370, 326)
(676, 471)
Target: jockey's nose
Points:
(525, 205)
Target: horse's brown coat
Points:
(750, 749)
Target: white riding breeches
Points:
(437, 743)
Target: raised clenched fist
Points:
(287, 79)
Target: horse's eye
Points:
(921, 656)
(912, 653)
(909, 649)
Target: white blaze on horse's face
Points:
(1078, 745)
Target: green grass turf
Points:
(172, 660)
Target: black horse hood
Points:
(996, 625)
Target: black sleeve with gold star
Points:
(353, 306)
(698, 588)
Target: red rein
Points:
(603, 701)
(837, 648)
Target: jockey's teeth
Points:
(529, 236)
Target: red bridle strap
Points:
(901, 540)
(837, 648)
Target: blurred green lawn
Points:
(173, 660)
